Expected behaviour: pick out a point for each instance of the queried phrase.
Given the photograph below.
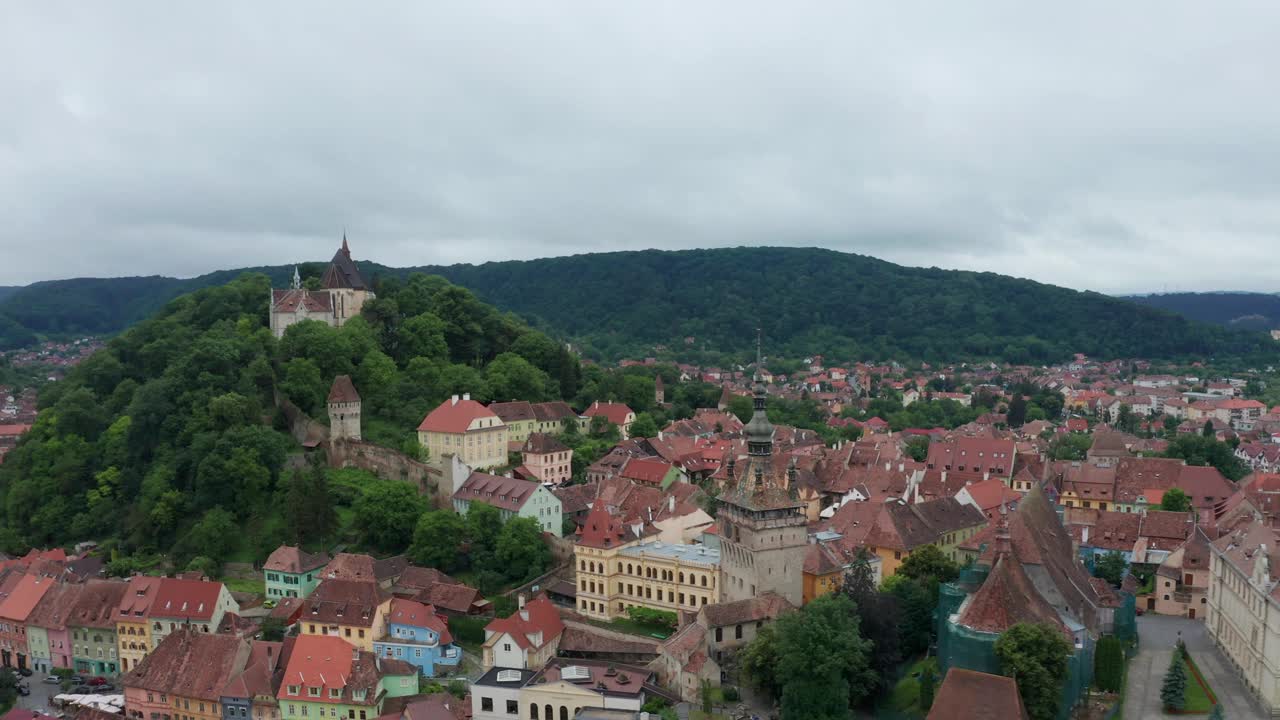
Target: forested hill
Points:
(1246, 311)
(806, 300)
(168, 438)
(811, 300)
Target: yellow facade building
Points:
(466, 429)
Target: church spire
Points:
(759, 430)
(297, 279)
(346, 250)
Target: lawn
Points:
(905, 697)
(244, 585)
(1195, 697)
(632, 627)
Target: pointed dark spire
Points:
(759, 430)
(345, 249)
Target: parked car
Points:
(52, 680)
(106, 688)
(77, 679)
(24, 689)
(96, 681)
(25, 672)
(84, 689)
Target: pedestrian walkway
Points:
(1157, 635)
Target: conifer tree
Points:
(1173, 691)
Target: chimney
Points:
(671, 503)
(466, 396)
(888, 467)
(520, 599)
(355, 653)
(454, 401)
(902, 467)
(1084, 536)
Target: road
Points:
(1157, 635)
(38, 700)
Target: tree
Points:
(386, 513)
(511, 377)
(823, 661)
(878, 616)
(1208, 430)
(437, 540)
(1036, 655)
(213, 537)
(643, 426)
(272, 629)
(484, 524)
(308, 508)
(1017, 414)
(759, 661)
(916, 601)
(1174, 688)
(8, 690)
(928, 562)
(1207, 451)
(1111, 567)
(927, 682)
(1175, 500)
(918, 448)
(1217, 713)
(1109, 664)
(521, 551)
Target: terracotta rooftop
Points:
(343, 391)
(766, 606)
(186, 599)
(97, 603)
(970, 695)
(514, 411)
(543, 443)
(535, 625)
(456, 415)
(501, 492)
(615, 413)
(22, 600)
(1007, 597)
(343, 602)
(287, 558)
(190, 664)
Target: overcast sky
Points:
(1119, 147)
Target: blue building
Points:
(420, 637)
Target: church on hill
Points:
(342, 294)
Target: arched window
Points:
(564, 713)
(682, 577)
(582, 565)
(533, 711)
(704, 581)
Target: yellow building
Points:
(618, 570)
(354, 610)
(519, 418)
(464, 428)
(133, 631)
(901, 529)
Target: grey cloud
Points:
(1117, 148)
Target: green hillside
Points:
(168, 440)
(806, 300)
(1241, 310)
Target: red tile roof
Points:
(501, 492)
(646, 470)
(455, 416)
(410, 612)
(537, 616)
(187, 599)
(322, 661)
(24, 598)
(343, 391)
(1008, 597)
(288, 301)
(971, 695)
(190, 664)
(615, 413)
(290, 559)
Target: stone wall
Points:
(385, 463)
(301, 426)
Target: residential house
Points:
(182, 602)
(989, 496)
(526, 639)
(418, 636)
(518, 418)
(92, 624)
(651, 471)
(15, 609)
(328, 677)
(973, 459)
(1243, 617)
(825, 563)
(615, 413)
(251, 693)
(184, 677)
(733, 625)
(354, 610)
(546, 459)
(292, 572)
(563, 690)
(496, 694)
(685, 664)
(552, 417)
(1242, 415)
(513, 498)
(49, 642)
(133, 625)
(464, 428)
(902, 528)
(1182, 580)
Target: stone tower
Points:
(344, 410)
(659, 391)
(763, 533)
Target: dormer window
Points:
(293, 689)
(313, 691)
(359, 695)
(335, 693)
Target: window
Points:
(719, 634)
(737, 632)
(293, 690)
(486, 704)
(506, 647)
(313, 691)
(513, 707)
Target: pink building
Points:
(547, 459)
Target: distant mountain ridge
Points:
(1240, 310)
(806, 300)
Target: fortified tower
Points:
(344, 410)
(763, 532)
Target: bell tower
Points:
(763, 532)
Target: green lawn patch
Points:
(905, 696)
(244, 585)
(635, 627)
(1199, 697)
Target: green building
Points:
(292, 572)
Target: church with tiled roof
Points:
(341, 296)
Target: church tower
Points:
(763, 533)
(344, 410)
